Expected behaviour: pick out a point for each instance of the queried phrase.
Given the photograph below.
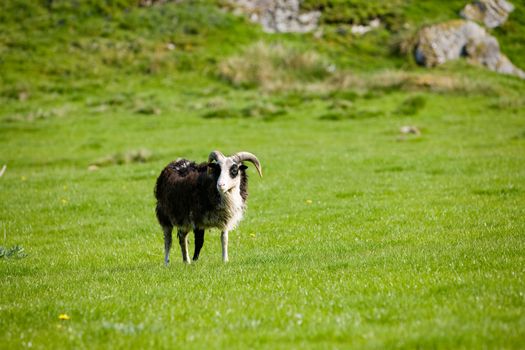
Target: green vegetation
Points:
(12, 252)
(358, 236)
(411, 105)
(274, 67)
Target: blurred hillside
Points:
(58, 46)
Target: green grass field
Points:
(358, 236)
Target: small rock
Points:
(410, 129)
(363, 29)
(92, 167)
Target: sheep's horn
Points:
(247, 156)
(216, 156)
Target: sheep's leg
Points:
(224, 241)
(183, 241)
(167, 243)
(199, 241)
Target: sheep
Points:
(196, 197)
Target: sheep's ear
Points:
(243, 167)
(211, 166)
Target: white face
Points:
(230, 177)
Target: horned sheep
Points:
(197, 197)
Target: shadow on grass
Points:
(503, 192)
(262, 110)
(351, 115)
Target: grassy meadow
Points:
(358, 236)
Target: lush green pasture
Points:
(358, 236)
(354, 237)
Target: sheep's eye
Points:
(234, 171)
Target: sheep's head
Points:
(229, 168)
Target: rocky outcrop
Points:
(451, 40)
(360, 29)
(278, 16)
(492, 13)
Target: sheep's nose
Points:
(221, 185)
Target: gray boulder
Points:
(278, 16)
(492, 13)
(451, 40)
